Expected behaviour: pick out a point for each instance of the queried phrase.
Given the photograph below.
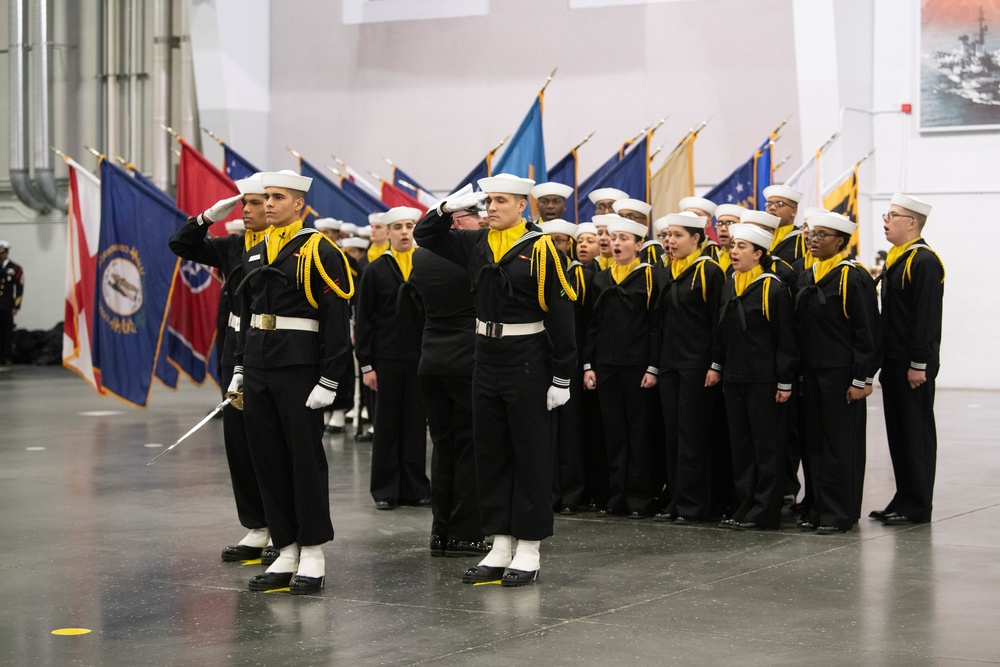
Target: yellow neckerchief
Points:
(375, 251)
(250, 239)
(780, 233)
(405, 261)
(678, 266)
(808, 260)
(822, 267)
(501, 240)
(277, 237)
(620, 271)
(724, 260)
(897, 251)
(605, 262)
(742, 279)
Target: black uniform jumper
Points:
(191, 242)
(688, 313)
(595, 452)
(281, 365)
(513, 373)
(758, 357)
(622, 346)
(11, 294)
(838, 340)
(445, 377)
(912, 302)
(387, 330)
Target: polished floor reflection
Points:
(99, 541)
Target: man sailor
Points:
(551, 198)
(789, 243)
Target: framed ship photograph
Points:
(959, 65)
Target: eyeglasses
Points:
(820, 236)
(661, 236)
(720, 223)
(892, 215)
(775, 204)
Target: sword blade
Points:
(196, 427)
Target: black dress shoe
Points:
(894, 519)
(238, 552)
(830, 530)
(270, 580)
(799, 507)
(878, 515)
(437, 545)
(519, 577)
(364, 437)
(632, 515)
(590, 507)
(664, 517)
(384, 505)
(806, 526)
(605, 513)
(330, 428)
(269, 555)
(567, 511)
(482, 573)
(687, 521)
(305, 585)
(728, 524)
(747, 525)
(456, 548)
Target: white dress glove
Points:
(462, 199)
(236, 384)
(220, 210)
(556, 396)
(320, 397)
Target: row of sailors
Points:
(645, 315)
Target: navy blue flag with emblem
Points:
(327, 200)
(237, 166)
(585, 210)
(745, 186)
(481, 170)
(362, 197)
(404, 181)
(630, 174)
(135, 271)
(564, 172)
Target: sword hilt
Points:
(235, 399)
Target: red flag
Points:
(393, 196)
(195, 300)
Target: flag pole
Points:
(778, 166)
(93, 151)
(585, 140)
(700, 127)
(212, 135)
(171, 131)
(337, 173)
(375, 176)
(389, 162)
(408, 185)
(295, 153)
(655, 153)
(549, 80)
(783, 123)
(866, 156)
(58, 152)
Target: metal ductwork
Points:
(45, 177)
(20, 174)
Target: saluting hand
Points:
(462, 199)
(220, 210)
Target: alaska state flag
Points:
(564, 172)
(135, 270)
(525, 153)
(237, 166)
(327, 200)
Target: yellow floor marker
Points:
(255, 561)
(487, 583)
(286, 589)
(71, 632)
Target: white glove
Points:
(236, 384)
(220, 210)
(463, 199)
(556, 396)
(320, 397)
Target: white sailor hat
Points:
(627, 226)
(783, 191)
(686, 219)
(286, 178)
(700, 203)
(508, 183)
(4, 245)
(603, 219)
(550, 189)
(911, 204)
(833, 221)
(236, 226)
(398, 213)
(753, 234)
(365, 232)
(353, 242)
(631, 205)
(659, 225)
(558, 227)
(734, 210)
(760, 218)
(374, 218)
(328, 223)
(584, 228)
(251, 185)
(348, 228)
(810, 211)
(606, 193)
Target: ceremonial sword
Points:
(197, 426)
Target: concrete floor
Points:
(98, 540)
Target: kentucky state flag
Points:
(135, 270)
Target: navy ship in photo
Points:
(973, 69)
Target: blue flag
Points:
(135, 271)
(237, 166)
(585, 207)
(564, 172)
(762, 168)
(629, 174)
(481, 170)
(328, 200)
(525, 154)
(362, 197)
(407, 183)
(741, 186)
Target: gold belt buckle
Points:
(269, 322)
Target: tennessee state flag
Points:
(195, 302)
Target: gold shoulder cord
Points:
(765, 300)
(581, 283)
(909, 263)
(843, 289)
(539, 258)
(649, 285)
(309, 255)
(700, 271)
